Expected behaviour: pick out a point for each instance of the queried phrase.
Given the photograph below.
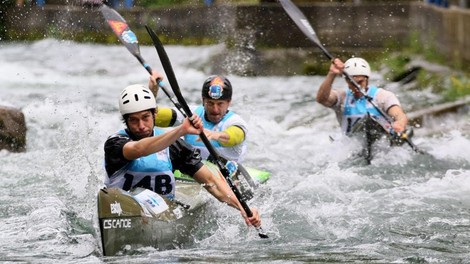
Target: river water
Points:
(321, 204)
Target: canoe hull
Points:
(369, 131)
(125, 226)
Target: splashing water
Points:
(319, 206)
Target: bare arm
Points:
(390, 103)
(218, 187)
(146, 146)
(325, 95)
(221, 136)
(399, 117)
(230, 137)
(153, 85)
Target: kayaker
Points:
(350, 105)
(226, 129)
(142, 155)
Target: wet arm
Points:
(325, 95)
(230, 137)
(153, 85)
(400, 120)
(219, 188)
(146, 146)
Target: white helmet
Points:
(357, 66)
(135, 98)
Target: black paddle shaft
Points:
(176, 90)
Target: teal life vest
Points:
(356, 109)
(234, 153)
(153, 172)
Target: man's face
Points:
(362, 81)
(141, 124)
(215, 109)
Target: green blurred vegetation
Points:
(162, 3)
(451, 86)
(4, 5)
(394, 57)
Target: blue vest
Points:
(153, 172)
(192, 139)
(356, 109)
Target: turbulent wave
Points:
(319, 205)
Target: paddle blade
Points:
(169, 70)
(121, 29)
(261, 232)
(301, 21)
(294, 12)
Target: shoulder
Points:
(340, 96)
(385, 94)
(233, 115)
(116, 140)
(117, 136)
(166, 117)
(387, 98)
(234, 119)
(199, 109)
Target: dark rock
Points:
(12, 129)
